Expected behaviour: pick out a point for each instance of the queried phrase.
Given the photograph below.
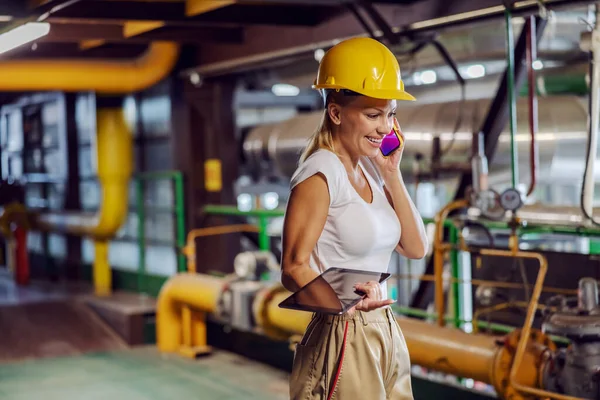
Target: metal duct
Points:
(274, 149)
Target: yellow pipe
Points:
(106, 76)
(196, 291)
(450, 350)
(114, 145)
(101, 269)
(484, 358)
(438, 255)
(190, 248)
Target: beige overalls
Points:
(374, 364)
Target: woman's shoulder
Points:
(323, 155)
(322, 162)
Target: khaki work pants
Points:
(375, 365)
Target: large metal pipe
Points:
(101, 76)
(449, 350)
(275, 148)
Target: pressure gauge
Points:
(511, 199)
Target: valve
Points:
(575, 371)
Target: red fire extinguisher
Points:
(20, 253)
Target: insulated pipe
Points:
(594, 119)
(106, 76)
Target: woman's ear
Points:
(334, 112)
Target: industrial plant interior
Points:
(146, 152)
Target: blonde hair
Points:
(322, 138)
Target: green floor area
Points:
(141, 374)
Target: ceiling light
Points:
(283, 89)
(428, 77)
(319, 53)
(475, 71)
(537, 65)
(23, 34)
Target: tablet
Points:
(333, 291)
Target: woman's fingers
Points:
(371, 289)
(372, 297)
(369, 305)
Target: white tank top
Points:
(357, 234)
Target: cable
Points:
(339, 368)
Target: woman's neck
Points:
(349, 160)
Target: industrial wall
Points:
(34, 148)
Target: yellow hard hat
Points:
(362, 65)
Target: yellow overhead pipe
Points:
(105, 76)
(114, 146)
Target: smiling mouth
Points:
(374, 140)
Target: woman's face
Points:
(362, 123)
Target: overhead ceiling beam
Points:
(114, 33)
(174, 13)
(135, 28)
(405, 20)
(91, 44)
(196, 7)
(125, 10)
(192, 7)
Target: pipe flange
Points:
(223, 306)
(259, 309)
(539, 347)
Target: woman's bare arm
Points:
(304, 220)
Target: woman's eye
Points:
(372, 116)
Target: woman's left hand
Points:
(372, 298)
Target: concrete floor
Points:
(47, 353)
(142, 374)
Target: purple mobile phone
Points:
(392, 141)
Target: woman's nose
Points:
(385, 127)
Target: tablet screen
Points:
(333, 291)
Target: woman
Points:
(349, 208)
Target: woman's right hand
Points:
(372, 298)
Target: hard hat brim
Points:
(393, 94)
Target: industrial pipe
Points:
(442, 349)
(531, 55)
(114, 146)
(438, 254)
(591, 42)
(106, 76)
(180, 297)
